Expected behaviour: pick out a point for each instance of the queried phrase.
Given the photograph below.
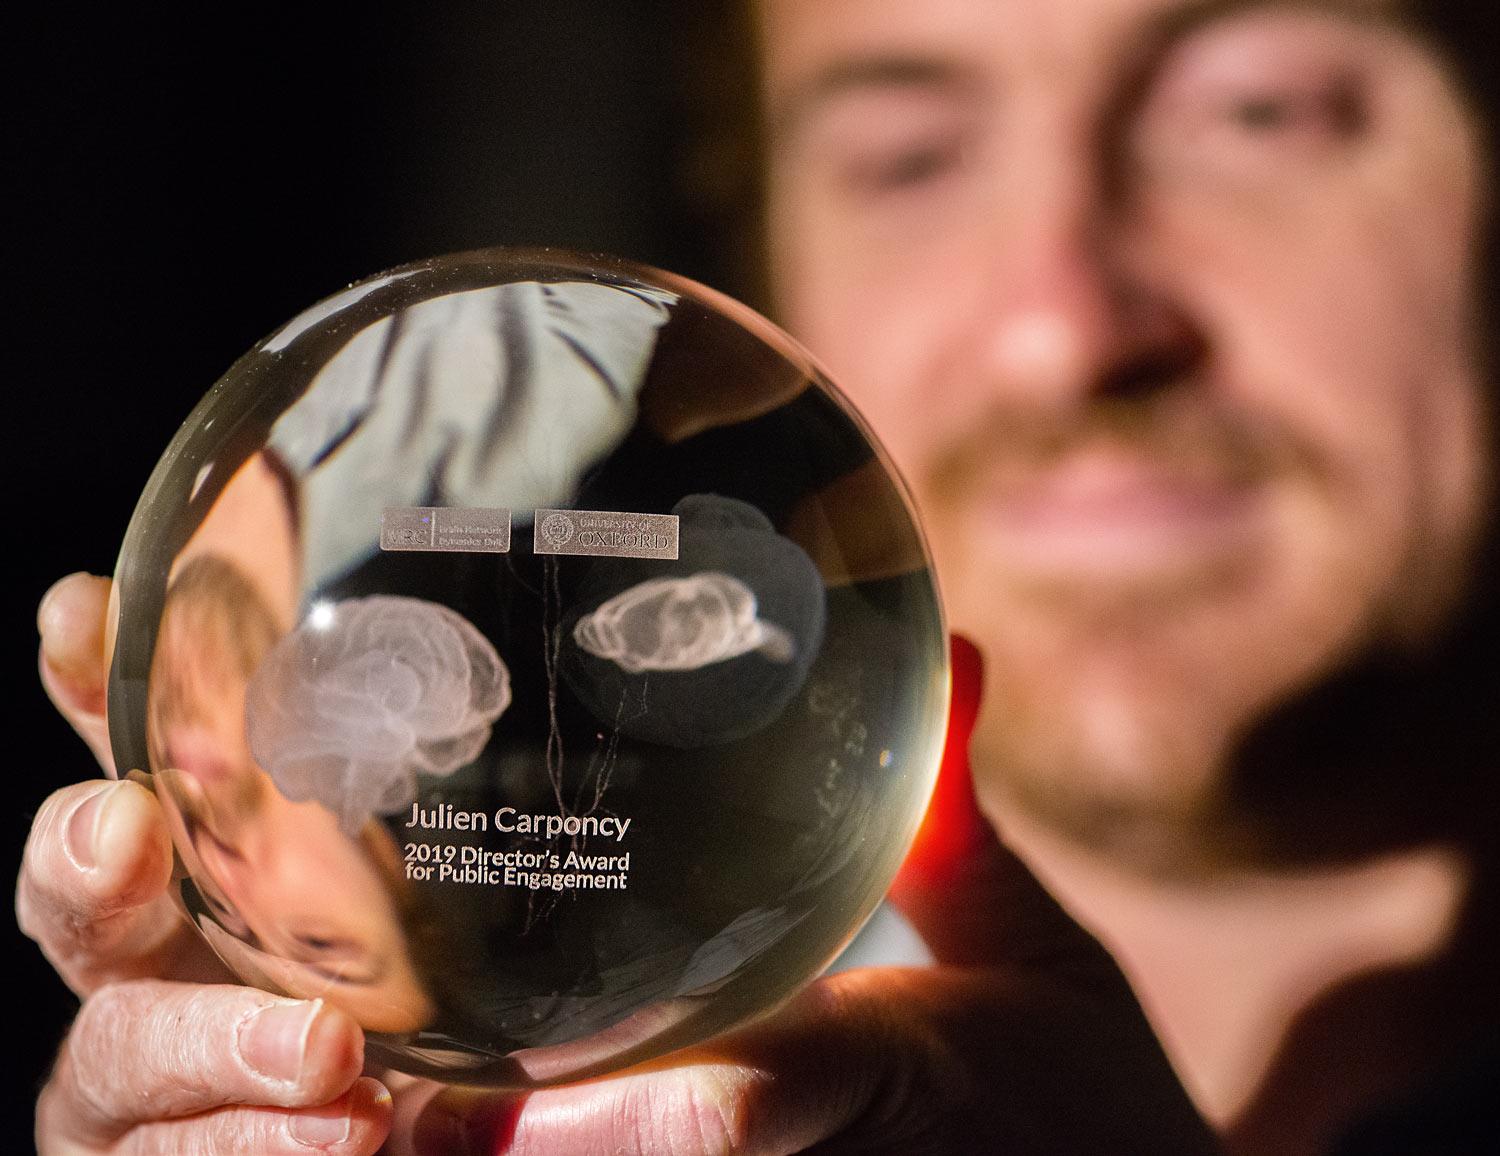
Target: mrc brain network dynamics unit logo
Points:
(558, 529)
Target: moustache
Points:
(1186, 434)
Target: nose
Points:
(1071, 307)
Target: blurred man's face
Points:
(1165, 312)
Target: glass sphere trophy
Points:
(536, 658)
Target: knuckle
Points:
(71, 939)
(96, 1027)
(101, 1063)
(118, 1039)
(60, 800)
(188, 1044)
(54, 802)
(145, 1047)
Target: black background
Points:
(186, 180)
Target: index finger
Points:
(93, 890)
(72, 663)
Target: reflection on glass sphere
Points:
(535, 658)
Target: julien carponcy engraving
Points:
(606, 533)
(457, 529)
(447, 817)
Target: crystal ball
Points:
(536, 657)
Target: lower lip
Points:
(1104, 521)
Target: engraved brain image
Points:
(367, 693)
(681, 624)
(535, 658)
(710, 651)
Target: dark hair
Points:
(1464, 34)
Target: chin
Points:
(1277, 706)
(1113, 720)
(1134, 778)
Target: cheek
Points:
(880, 319)
(1342, 318)
(1340, 309)
(1339, 290)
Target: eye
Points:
(227, 917)
(891, 142)
(1244, 94)
(903, 168)
(332, 956)
(226, 850)
(1336, 110)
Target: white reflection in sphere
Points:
(349, 707)
(681, 624)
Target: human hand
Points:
(165, 1054)
(1025, 1039)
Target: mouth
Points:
(1108, 516)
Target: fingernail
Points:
(81, 836)
(466, 1123)
(50, 598)
(114, 837)
(129, 810)
(329, 1124)
(274, 1040)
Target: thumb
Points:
(780, 1086)
(921, 1060)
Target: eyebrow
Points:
(1172, 26)
(934, 70)
(1143, 58)
(883, 70)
